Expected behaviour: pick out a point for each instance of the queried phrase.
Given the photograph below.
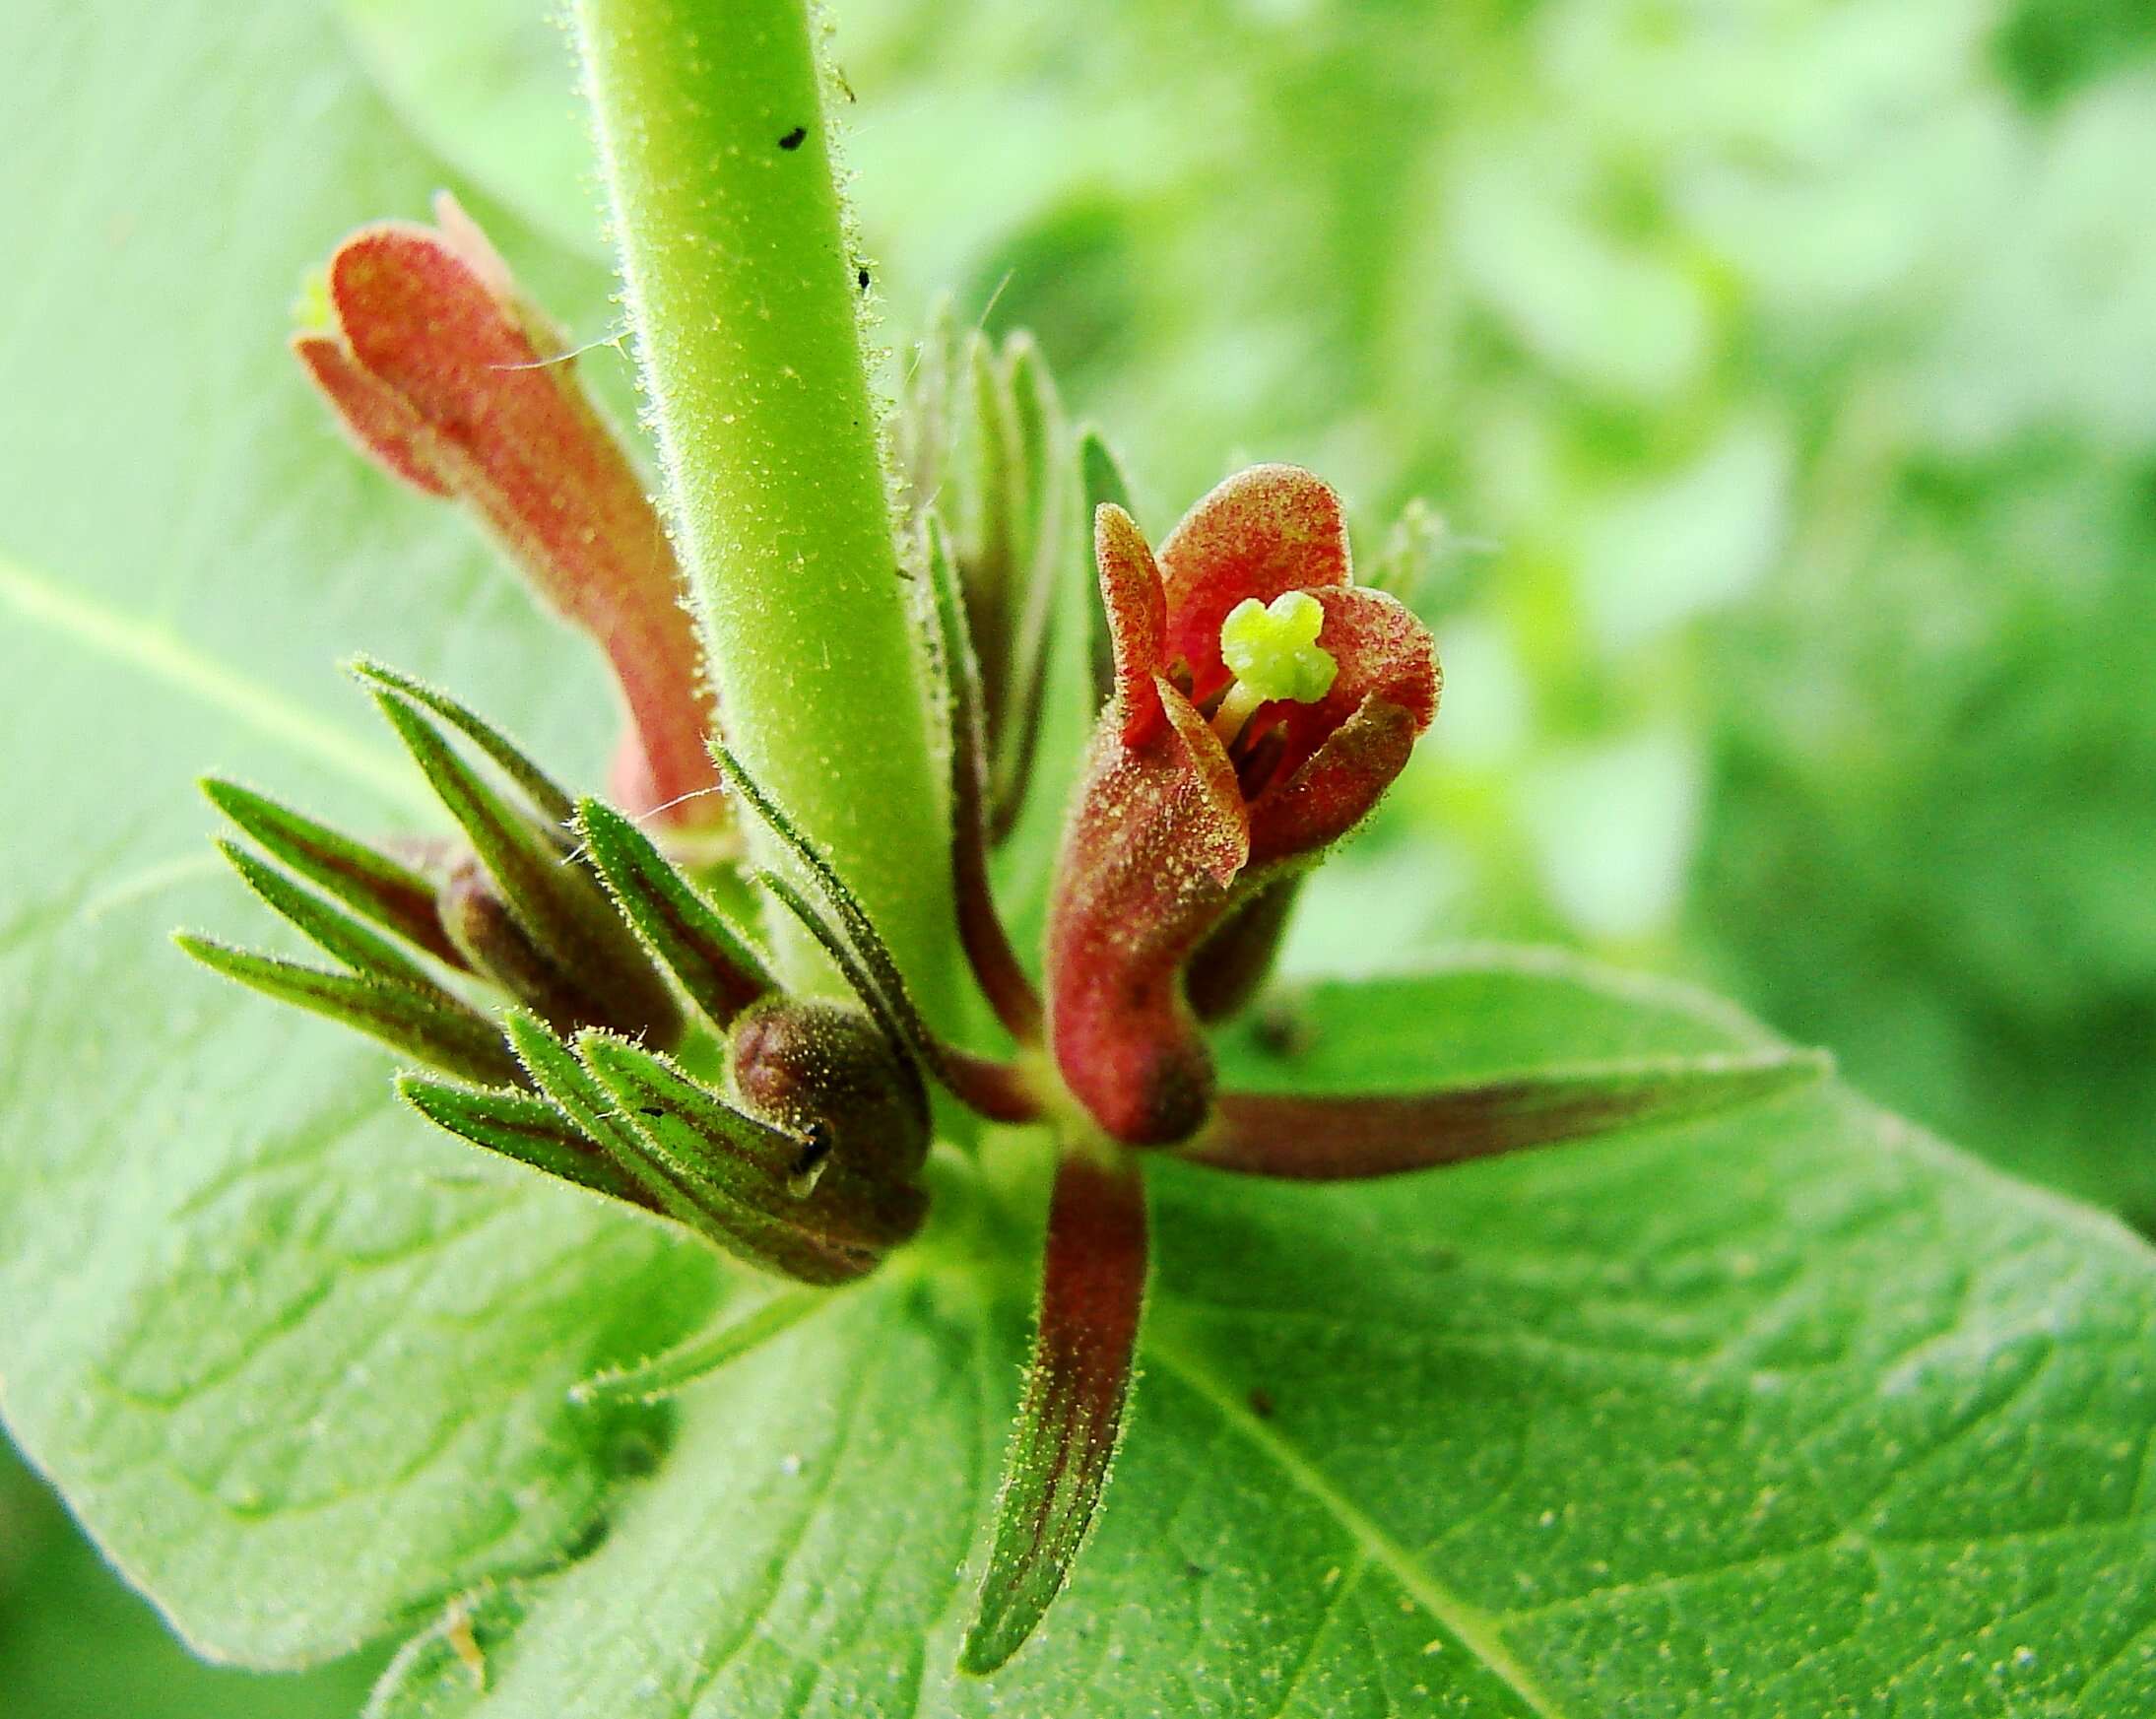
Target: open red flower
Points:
(1205, 789)
(448, 378)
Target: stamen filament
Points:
(1237, 709)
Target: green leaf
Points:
(1764, 1413)
(297, 1363)
(1739, 1416)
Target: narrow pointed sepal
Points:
(838, 922)
(677, 1188)
(520, 1126)
(1077, 1388)
(548, 799)
(1351, 1137)
(1045, 497)
(436, 1030)
(330, 928)
(796, 1180)
(1003, 979)
(1427, 565)
(719, 968)
(370, 883)
(730, 1336)
(569, 924)
(996, 1090)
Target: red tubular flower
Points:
(1201, 790)
(445, 375)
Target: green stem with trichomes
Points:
(710, 117)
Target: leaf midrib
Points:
(42, 600)
(1477, 1629)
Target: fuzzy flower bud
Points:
(446, 376)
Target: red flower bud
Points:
(443, 373)
(1205, 787)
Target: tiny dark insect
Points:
(793, 139)
(862, 275)
(1261, 1403)
(649, 1110)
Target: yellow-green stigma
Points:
(311, 310)
(1271, 650)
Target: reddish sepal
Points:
(1092, 1296)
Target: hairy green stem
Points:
(712, 133)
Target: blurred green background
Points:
(1787, 370)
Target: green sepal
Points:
(520, 1126)
(902, 1027)
(1101, 473)
(389, 892)
(1001, 977)
(725, 1340)
(982, 481)
(958, 670)
(332, 930)
(1426, 564)
(692, 1200)
(694, 1128)
(572, 1087)
(1043, 478)
(560, 903)
(767, 1170)
(855, 933)
(437, 1029)
(996, 1090)
(548, 799)
(921, 428)
(718, 965)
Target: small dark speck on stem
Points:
(794, 138)
(1261, 1403)
(861, 276)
